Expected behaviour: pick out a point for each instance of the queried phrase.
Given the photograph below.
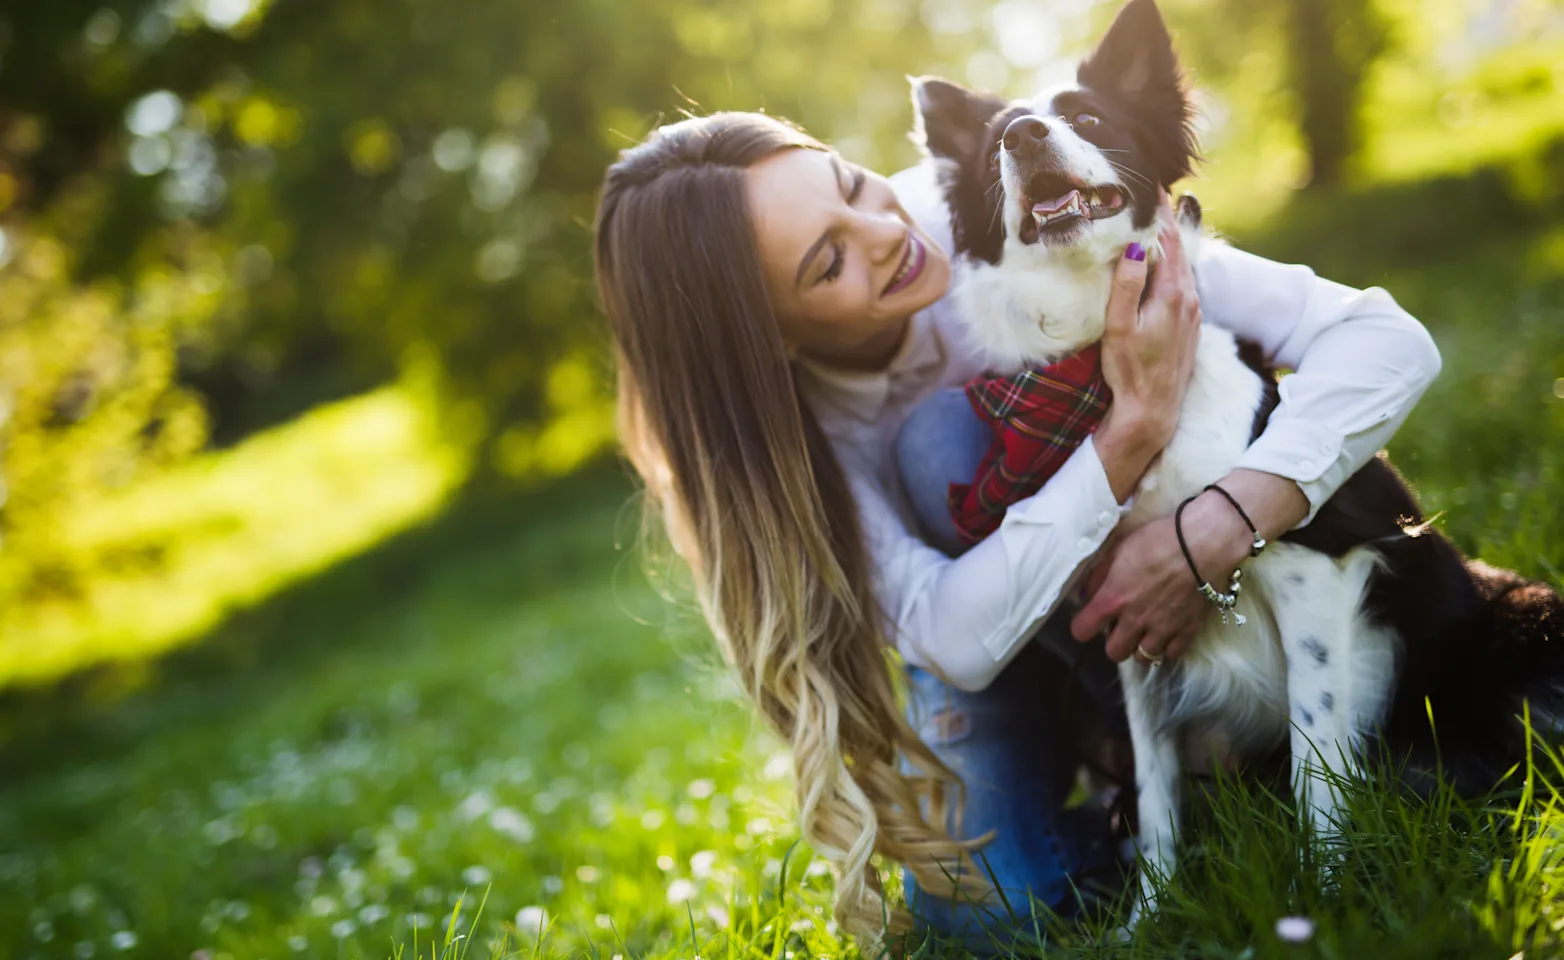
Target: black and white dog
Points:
(1356, 625)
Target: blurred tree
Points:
(1334, 43)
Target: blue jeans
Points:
(1014, 742)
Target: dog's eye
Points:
(1086, 120)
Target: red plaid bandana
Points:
(1038, 418)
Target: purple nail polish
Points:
(1135, 251)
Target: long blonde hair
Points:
(752, 497)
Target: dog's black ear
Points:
(1135, 56)
(949, 120)
(1136, 65)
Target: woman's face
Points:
(845, 265)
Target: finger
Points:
(1093, 617)
(1126, 636)
(1129, 281)
(1179, 645)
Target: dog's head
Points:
(1074, 169)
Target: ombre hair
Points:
(751, 496)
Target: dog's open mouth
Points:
(1058, 203)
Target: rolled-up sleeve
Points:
(1359, 363)
(965, 618)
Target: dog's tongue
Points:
(1053, 204)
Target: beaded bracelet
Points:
(1224, 602)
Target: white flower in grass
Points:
(373, 914)
(702, 862)
(532, 921)
(1295, 929)
(552, 884)
(665, 863)
(476, 876)
(123, 939)
(298, 944)
(717, 915)
(587, 874)
(478, 803)
(700, 789)
(512, 823)
(343, 929)
(681, 890)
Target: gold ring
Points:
(1147, 655)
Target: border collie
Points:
(1356, 624)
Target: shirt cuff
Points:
(1307, 452)
(1079, 505)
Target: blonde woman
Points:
(777, 314)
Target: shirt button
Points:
(1306, 464)
(1106, 518)
(1325, 448)
(1085, 543)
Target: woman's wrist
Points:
(1127, 440)
(1218, 535)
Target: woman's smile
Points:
(911, 266)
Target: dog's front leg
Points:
(1316, 602)
(1156, 781)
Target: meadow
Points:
(348, 704)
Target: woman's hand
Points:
(1143, 586)
(1148, 351)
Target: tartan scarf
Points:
(1038, 417)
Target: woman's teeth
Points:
(910, 265)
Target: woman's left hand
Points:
(1143, 587)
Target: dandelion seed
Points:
(717, 915)
(343, 929)
(758, 826)
(652, 819)
(603, 921)
(552, 884)
(1295, 929)
(298, 944)
(700, 789)
(665, 863)
(323, 906)
(702, 862)
(532, 921)
(477, 875)
(686, 814)
(681, 890)
(586, 874)
(123, 939)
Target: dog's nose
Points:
(1024, 132)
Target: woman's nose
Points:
(887, 234)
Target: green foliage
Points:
(88, 403)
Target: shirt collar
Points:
(863, 395)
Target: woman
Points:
(770, 344)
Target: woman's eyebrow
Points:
(814, 248)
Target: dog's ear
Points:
(949, 120)
(1136, 65)
(1136, 55)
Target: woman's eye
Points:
(1086, 120)
(835, 269)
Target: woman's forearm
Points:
(1218, 536)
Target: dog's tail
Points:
(1501, 664)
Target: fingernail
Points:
(1135, 251)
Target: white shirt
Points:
(1360, 362)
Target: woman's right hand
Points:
(1148, 353)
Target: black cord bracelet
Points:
(1259, 541)
(1223, 601)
